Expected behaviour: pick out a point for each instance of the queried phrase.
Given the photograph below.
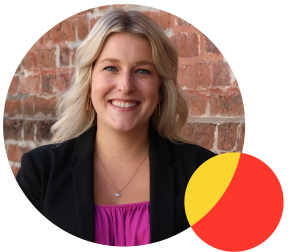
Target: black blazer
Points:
(59, 181)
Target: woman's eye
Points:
(143, 71)
(110, 68)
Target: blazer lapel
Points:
(162, 188)
(83, 183)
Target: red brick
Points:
(202, 133)
(235, 84)
(185, 76)
(12, 129)
(187, 29)
(47, 83)
(29, 130)
(29, 85)
(15, 170)
(18, 71)
(82, 28)
(13, 107)
(63, 81)
(182, 22)
(186, 44)
(43, 130)
(205, 135)
(64, 31)
(45, 38)
(22, 151)
(203, 75)
(118, 6)
(210, 47)
(37, 44)
(28, 105)
(227, 136)
(6, 149)
(221, 74)
(164, 19)
(81, 14)
(45, 106)
(45, 58)
(64, 56)
(198, 105)
(73, 56)
(26, 61)
(194, 76)
(13, 88)
(188, 131)
(226, 105)
(12, 153)
(207, 51)
(85, 12)
(105, 7)
(93, 22)
(241, 138)
(188, 99)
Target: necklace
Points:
(118, 192)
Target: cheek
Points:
(152, 102)
(151, 91)
(151, 95)
(98, 89)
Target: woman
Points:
(118, 167)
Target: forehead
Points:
(124, 45)
(124, 37)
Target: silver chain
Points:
(118, 192)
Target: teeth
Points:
(123, 104)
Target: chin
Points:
(127, 127)
(123, 128)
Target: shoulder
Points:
(189, 151)
(186, 158)
(178, 153)
(38, 164)
(49, 153)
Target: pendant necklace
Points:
(118, 194)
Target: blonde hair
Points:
(73, 117)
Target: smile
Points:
(120, 105)
(124, 104)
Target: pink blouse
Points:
(123, 225)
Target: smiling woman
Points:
(118, 166)
(162, 56)
(125, 85)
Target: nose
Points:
(125, 83)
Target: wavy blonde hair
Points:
(73, 117)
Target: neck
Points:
(121, 146)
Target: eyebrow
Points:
(141, 62)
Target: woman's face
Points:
(125, 84)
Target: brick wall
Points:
(216, 118)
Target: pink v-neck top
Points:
(123, 225)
